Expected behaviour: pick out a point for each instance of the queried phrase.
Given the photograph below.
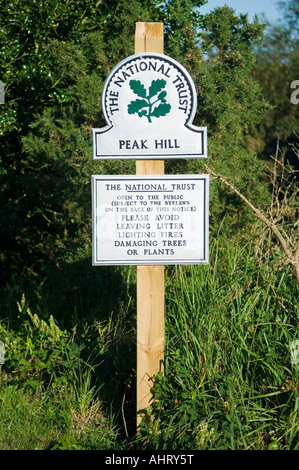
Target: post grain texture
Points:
(150, 279)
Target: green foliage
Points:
(24, 420)
(53, 156)
(57, 55)
(99, 436)
(182, 20)
(51, 421)
(56, 113)
(230, 104)
(52, 379)
(39, 228)
(290, 9)
(277, 66)
(26, 30)
(67, 442)
(39, 353)
(229, 382)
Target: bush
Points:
(39, 353)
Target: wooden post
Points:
(150, 279)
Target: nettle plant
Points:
(153, 103)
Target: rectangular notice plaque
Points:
(150, 220)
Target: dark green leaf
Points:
(136, 106)
(161, 110)
(155, 87)
(162, 95)
(138, 88)
(142, 113)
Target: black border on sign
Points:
(188, 124)
(161, 261)
(153, 156)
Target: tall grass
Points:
(229, 382)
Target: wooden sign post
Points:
(149, 37)
(149, 219)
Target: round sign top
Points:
(149, 103)
(148, 89)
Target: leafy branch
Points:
(284, 192)
(146, 106)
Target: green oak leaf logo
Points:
(153, 103)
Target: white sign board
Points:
(150, 220)
(149, 102)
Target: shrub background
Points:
(69, 329)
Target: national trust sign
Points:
(149, 103)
